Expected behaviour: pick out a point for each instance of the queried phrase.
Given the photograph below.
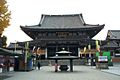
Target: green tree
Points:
(4, 16)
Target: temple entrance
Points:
(52, 49)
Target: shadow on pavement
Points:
(68, 72)
(2, 77)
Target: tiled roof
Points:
(110, 44)
(113, 34)
(13, 45)
(62, 21)
(8, 52)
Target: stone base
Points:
(102, 65)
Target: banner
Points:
(26, 51)
(89, 47)
(97, 46)
(84, 49)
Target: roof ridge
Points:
(95, 24)
(114, 30)
(60, 14)
(81, 17)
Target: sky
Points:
(28, 12)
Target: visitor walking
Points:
(38, 65)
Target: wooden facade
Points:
(55, 32)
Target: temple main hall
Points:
(57, 32)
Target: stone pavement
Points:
(79, 73)
(113, 70)
(6, 75)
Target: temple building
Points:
(57, 32)
(113, 44)
(113, 41)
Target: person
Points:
(56, 67)
(38, 65)
(8, 65)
